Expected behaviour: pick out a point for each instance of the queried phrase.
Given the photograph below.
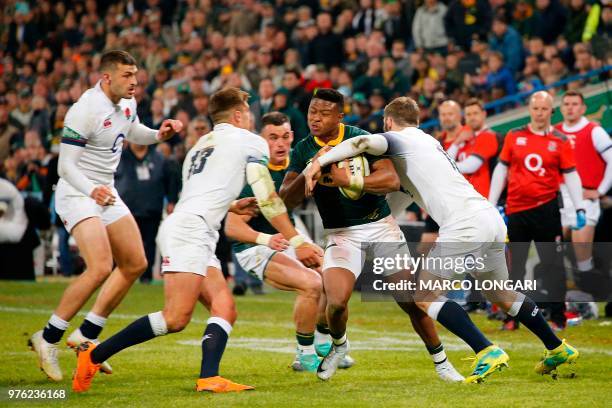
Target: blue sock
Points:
(456, 320)
(137, 332)
(532, 318)
(213, 345)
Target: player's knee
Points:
(134, 267)
(99, 270)
(312, 287)
(176, 321)
(224, 307)
(336, 308)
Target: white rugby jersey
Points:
(100, 127)
(431, 177)
(214, 171)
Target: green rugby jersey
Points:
(259, 223)
(336, 210)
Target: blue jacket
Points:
(502, 79)
(511, 47)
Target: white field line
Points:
(377, 340)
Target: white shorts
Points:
(348, 248)
(255, 259)
(476, 246)
(568, 212)
(187, 244)
(72, 206)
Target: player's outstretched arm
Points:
(498, 182)
(236, 228)
(273, 208)
(143, 135)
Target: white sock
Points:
(340, 341)
(306, 349)
(321, 338)
(96, 319)
(58, 322)
(439, 357)
(158, 324)
(225, 325)
(585, 265)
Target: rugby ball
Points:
(354, 166)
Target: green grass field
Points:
(392, 366)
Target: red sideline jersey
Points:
(536, 162)
(484, 146)
(589, 164)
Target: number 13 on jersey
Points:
(198, 160)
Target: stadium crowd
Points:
(279, 51)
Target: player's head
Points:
(276, 129)
(540, 110)
(449, 114)
(325, 112)
(401, 113)
(475, 114)
(572, 106)
(230, 105)
(118, 69)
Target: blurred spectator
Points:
(326, 47)
(298, 97)
(466, 20)
(264, 101)
(146, 182)
(364, 19)
(7, 131)
(576, 21)
(22, 114)
(428, 27)
(499, 75)
(549, 20)
(22, 31)
(298, 123)
(506, 39)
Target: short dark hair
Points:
(474, 102)
(330, 95)
(110, 59)
(574, 93)
(224, 101)
(274, 119)
(294, 71)
(404, 111)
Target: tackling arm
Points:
(376, 145)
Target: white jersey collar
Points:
(224, 126)
(99, 89)
(577, 127)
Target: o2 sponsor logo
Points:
(533, 162)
